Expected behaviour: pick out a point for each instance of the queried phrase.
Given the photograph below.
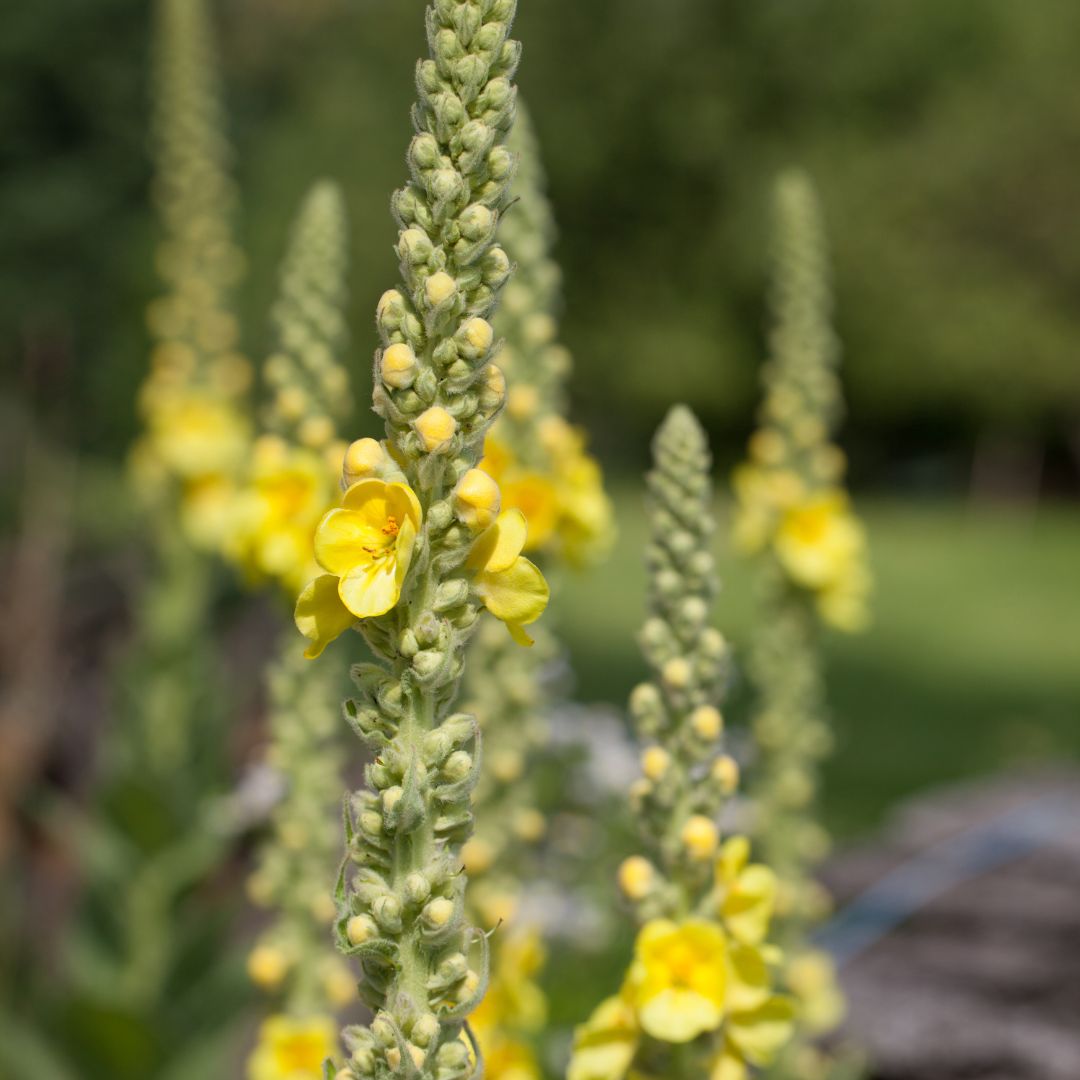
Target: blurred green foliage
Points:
(944, 138)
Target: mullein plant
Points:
(417, 549)
(698, 999)
(793, 515)
(290, 481)
(543, 470)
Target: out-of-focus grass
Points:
(973, 660)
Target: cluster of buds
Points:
(698, 997)
(685, 776)
(193, 402)
(310, 393)
(294, 879)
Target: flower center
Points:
(391, 527)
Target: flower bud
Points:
(700, 837)
(477, 855)
(415, 246)
(458, 765)
(439, 288)
(479, 334)
(522, 401)
(436, 427)
(316, 431)
(360, 928)
(637, 876)
(645, 701)
(477, 500)
(476, 222)
(363, 459)
(655, 762)
(438, 912)
(426, 1030)
(387, 912)
(424, 151)
(417, 888)
(725, 772)
(398, 366)
(706, 722)
(391, 797)
(267, 966)
(492, 388)
(677, 673)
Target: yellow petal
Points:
(761, 1033)
(748, 906)
(733, 857)
(517, 595)
(371, 590)
(749, 986)
(404, 504)
(677, 1016)
(729, 1065)
(498, 547)
(346, 539)
(519, 634)
(605, 1045)
(320, 614)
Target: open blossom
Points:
(687, 979)
(747, 892)
(509, 585)
(366, 547)
(292, 1049)
(287, 490)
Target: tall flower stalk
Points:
(543, 470)
(290, 482)
(698, 997)
(793, 514)
(415, 552)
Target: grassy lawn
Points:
(973, 661)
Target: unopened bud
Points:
(363, 459)
(477, 500)
(700, 838)
(439, 288)
(706, 722)
(637, 876)
(655, 762)
(436, 427)
(397, 366)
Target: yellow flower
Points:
(292, 1049)
(678, 981)
(510, 586)
(747, 892)
(287, 492)
(820, 541)
(208, 510)
(535, 496)
(196, 433)
(366, 547)
(605, 1045)
(811, 977)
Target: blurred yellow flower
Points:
(195, 433)
(677, 983)
(510, 586)
(811, 978)
(366, 547)
(292, 1049)
(605, 1045)
(286, 493)
(818, 541)
(746, 892)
